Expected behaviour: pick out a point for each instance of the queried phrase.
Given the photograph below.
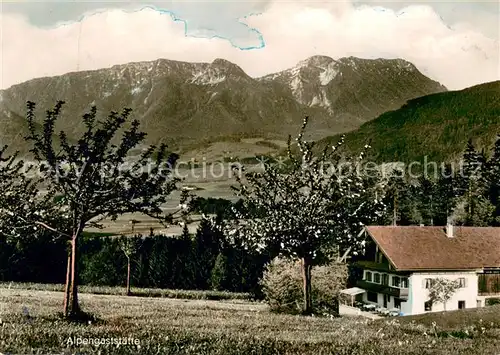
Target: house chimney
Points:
(449, 230)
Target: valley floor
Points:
(30, 325)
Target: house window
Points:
(376, 278)
(385, 279)
(461, 304)
(428, 306)
(396, 281)
(404, 282)
(462, 282)
(369, 276)
(372, 296)
(428, 283)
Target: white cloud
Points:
(457, 57)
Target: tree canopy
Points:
(97, 177)
(311, 210)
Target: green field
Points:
(207, 187)
(142, 292)
(30, 325)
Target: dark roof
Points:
(429, 248)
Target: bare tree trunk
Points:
(469, 207)
(395, 211)
(128, 276)
(336, 306)
(307, 288)
(432, 212)
(67, 286)
(73, 304)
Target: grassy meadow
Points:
(30, 325)
(208, 184)
(138, 292)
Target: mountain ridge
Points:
(435, 127)
(181, 102)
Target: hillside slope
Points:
(437, 126)
(185, 103)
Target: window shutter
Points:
(423, 283)
(465, 282)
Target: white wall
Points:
(484, 299)
(418, 295)
(406, 307)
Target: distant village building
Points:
(400, 264)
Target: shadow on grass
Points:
(79, 317)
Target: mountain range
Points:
(183, 103)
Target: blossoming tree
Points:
(442, 290)
(313, 209)
(97, 177)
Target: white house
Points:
(400, 264)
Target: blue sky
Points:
(222, 18)
(261, 36)
(202, 18)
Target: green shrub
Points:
(492, 301)
(282, 286)
(283, 291)
(327, 282)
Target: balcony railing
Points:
(384, 289)
(489, 284)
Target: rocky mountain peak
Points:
(223, 62)
(401, 63)
(228, 67)
(317, 61)
(220, 70)
(362, 63)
